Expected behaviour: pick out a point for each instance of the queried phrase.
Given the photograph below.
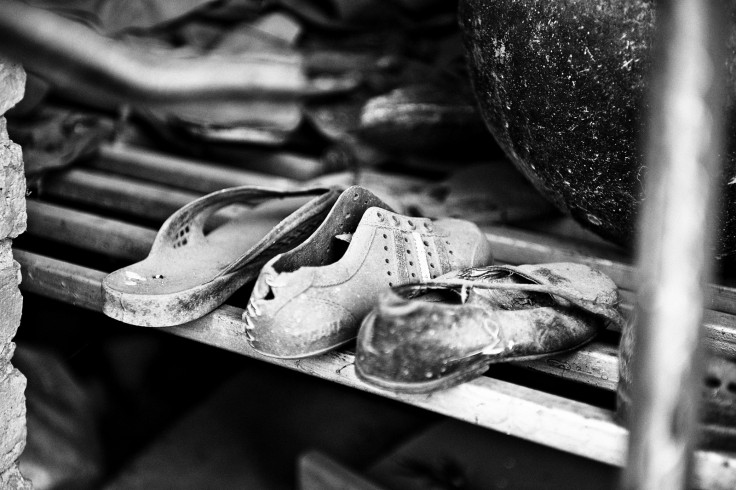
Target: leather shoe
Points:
(424, 337)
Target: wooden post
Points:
(12, 223)
(675, 247)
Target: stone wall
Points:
(12, 223)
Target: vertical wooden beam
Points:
(675, 240)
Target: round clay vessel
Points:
(561, 85)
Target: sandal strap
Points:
(188, 222)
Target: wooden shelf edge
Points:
(553, 421)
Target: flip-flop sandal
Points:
(191, 270)
(424, 337)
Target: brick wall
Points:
(12, 223)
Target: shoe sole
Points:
(304, 355)
(442, 383)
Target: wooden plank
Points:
(95, 189)
(262, 163)
(197, 176)
(539, 417)
(59, 280)
(516, 246)
(88, 231)
(595, 364)
(131, 197)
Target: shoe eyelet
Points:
(428, 226)
(380, 216)
(411, 224)
(355, 196)
(388, 272)
(395, 221)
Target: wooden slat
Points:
(88, 231)
(266, 162)
(567, 425)
(192, 175)
(59, 280)
(121, 195)
(516, 246)
(100, 191)
(595, 364)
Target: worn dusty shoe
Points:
(190, 270)
(424, 337)
(301, 306)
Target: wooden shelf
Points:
(521, 411)
(557, 422)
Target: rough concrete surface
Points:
(12, 223)
(12, 84)
(12, 478)
(12, 416)
(11, 301)
(12, 186)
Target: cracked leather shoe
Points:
(424, 337)
(311, 299)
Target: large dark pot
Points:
(561, 85)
